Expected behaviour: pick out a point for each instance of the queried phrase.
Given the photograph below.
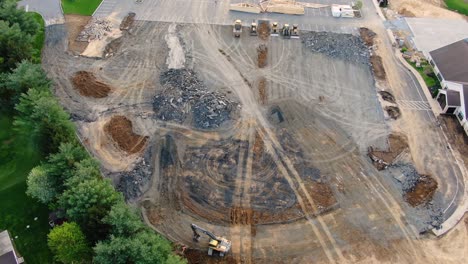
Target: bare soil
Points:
(423, 8)
(405, 12)
(75, 24)
(397, 144)
(377, 67)
(262, 90)
(195, 256)
(120, 129)
(393, 111)
(422, 192)
(367, 36)
(88, 85)
(262, 52)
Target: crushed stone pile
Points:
(341, 46)
(97, 28)
(186, 94)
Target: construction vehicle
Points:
(220, 245)
(237, 29)
(295, 31)
(286, 31)
(253, 29)
(274, 29)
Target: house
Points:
(451, 68)
(7, 251)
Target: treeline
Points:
(100, 227)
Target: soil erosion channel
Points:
(284, 176)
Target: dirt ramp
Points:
(88, 85)
(120, 129)
(381, 159)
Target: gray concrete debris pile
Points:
(184, 93)
(336, 45)
(97, 28)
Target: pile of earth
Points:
(184, 93)
(336, 45)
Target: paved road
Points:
(50, 10)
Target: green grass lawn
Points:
(461, 6)
(17, 210)
(38, 42)
(80, 7)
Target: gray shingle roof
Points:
(452, 61)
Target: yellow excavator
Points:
(237, 30)
(219, 245)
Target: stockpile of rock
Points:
(336, 45)
(133, 183)
(97, 28)
(185, 94)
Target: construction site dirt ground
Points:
(285, 176)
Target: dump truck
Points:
(237, 28)
(217, 245)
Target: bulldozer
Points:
(295, 31)
(237, 29)
(217, 245)
(286, 31)
(253, 29)
(274, 29)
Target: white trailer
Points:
(342, 11)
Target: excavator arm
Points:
(196, 235)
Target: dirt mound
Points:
(262, 52)
(405, 12)
(120, 129)
(367, 36)
(127, 22)
(87, 85)
(263, 31)
(377, 67)
(387, 96)
(262, 90)
(381, 159)
(422, 192)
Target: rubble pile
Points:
(184, 93)
(133, 183)
(97, 28)
(341, 46)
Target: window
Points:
(439, 76)
(431, 62)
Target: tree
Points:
(41, 116)
(9, 12)
(86, 169)
(92, 193)
(68, 244)
(124, 220)
(40, 185)
(143, 247)
(26, 75)
(15, 45)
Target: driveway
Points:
(50, 10)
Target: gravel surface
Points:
(336, 45)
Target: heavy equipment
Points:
(217, 244)
(286, 31)
(274, 29)
(253, 29)
(237, 29)
(295, 31)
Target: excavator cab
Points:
(286, 31)
(237, 30)
(253, 29)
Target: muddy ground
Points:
(285, 175)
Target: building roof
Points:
(465, 99)
(453, 98)
(452, 61)
(429, 34)
(7, 254)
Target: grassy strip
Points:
(17, 157)
(80, 7)
(431, 81)
(38, 41)
(460, 6)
